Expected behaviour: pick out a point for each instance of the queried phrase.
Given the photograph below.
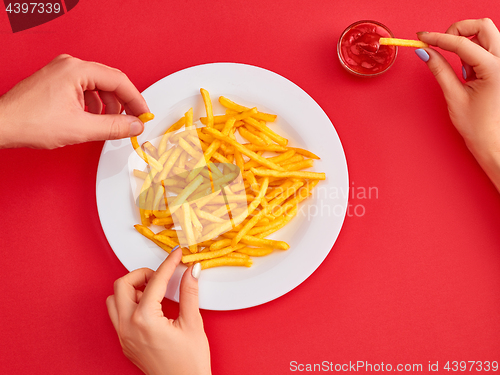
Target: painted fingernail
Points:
(464, 73)
(175, 248)
(135, 128)
(196, 270)
(422, 54)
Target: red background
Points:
(415, 279)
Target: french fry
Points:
(225, 261)
(256, 251)
(208, 107)
(210, 254)
(402, 43)
(288, 174)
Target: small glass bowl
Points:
(362, 71)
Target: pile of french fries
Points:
(218, 199)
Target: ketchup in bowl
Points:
(359, 50)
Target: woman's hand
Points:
(473, 105)
(47, 109)
(156, 344)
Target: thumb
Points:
(188, 296)
(452, 88)
(104, 127)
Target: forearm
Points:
(489, 160)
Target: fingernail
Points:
(135, 128)
(196, 270)
(464, 73)
(422, 54)
(175, 248)
(422, 32)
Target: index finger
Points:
(484, 30)
(103, 78)
(473, 54)
(157, 285)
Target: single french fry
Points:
(162, 220)
(306, 153)
(208, 107)
(260, 242)
(196, 222)
(402, 43)
(166, 240)
(140, 174)
(256, 251)
(289, 174)
(220, 244)
(225, 261)
(210, 254)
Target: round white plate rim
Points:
(294, 100)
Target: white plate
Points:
(311, 234)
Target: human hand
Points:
(154, 343)
(473, 105)
(47, 109)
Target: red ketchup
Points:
(360, 52)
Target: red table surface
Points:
(414, 276)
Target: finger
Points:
(138, 296)
(113, 106)
(104, 127)
(112, 311)
(481, 60)
(467, 71)
(104, 78)
(92, 101)
(125, 290)
(189, 311)
(485, 31)
(445, 76)
(157, 285)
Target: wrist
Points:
(6, 137)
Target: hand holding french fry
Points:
(47, 109)
(153, 342)
(473, 105)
